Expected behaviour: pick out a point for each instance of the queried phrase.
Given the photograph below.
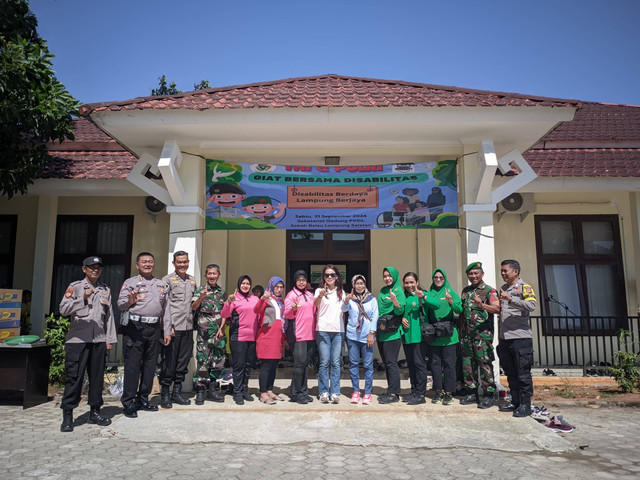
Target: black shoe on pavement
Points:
(247, 396)
(469, 399)
(95, 417)
(486, 402)
(165, 397)
(145, 405)
(388, 398)
(67, 421)
(302, 399)
(406, 398)
(310, 398)
(239, 400)
(131, 411)
(213, 395)
(416, 400)
(524, 410)
(507, 407)
(201, 394)
(177, 397)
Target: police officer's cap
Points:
(87, 262)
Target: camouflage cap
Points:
(474, 266)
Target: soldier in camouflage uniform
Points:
(479, 303)
(210, 341)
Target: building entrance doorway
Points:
(311, 250)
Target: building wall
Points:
(26, 209)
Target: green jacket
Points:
(386, 306)
(439, 309)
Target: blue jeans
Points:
(330, 352)
(359, 350)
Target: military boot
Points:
(201, 394)
(213, 394)
(513, 404)
(165, 397)
(95, 417)
(177, 397)
(524, 409)
(67, 421)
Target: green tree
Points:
(202, 85)
(164, 88)
(34, 106)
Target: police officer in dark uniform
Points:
(92, 332)
(515, 349)
(145, 320)
(177, 354)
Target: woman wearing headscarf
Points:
(391, 301)
(361, 331)
(239, 310)
(299, 308)
(270, 337)
(414, 347)
(330, 334)
(443, 303)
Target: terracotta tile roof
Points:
(328, 91)
(602, 140)
(92, 155)
(567, 162)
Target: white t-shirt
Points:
(329, 312)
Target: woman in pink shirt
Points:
(270, 337)
(299, 308)
(239, 312)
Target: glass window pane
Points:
(112, 237)
(72, 237)
(562, 287)
(65, 274)
(307, 242)
(349, 242)
(601, 289)
(557, 237)
(598, 238)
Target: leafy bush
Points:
(626, 371)
(55, 335)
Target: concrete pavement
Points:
(290, 441)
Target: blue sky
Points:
(117, 49)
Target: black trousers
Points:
(175, 362)
(243, 355)
(141, 346)
(81, 357)
(516, 358)
(443, 362)
(267, 375)
(303, 352)
(389, 352)
(417, 367)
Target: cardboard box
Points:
(10, 299)
(8, 333)
(10, 318)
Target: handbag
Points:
(389, 323)
(443, 328)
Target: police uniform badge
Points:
(69, 293)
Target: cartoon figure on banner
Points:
(412, 196)
(435, 201)
(222, 199)
(260, 206)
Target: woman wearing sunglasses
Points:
(330, 328)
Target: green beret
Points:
(256, 199)
(474, 266)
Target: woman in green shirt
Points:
(443, 303)
(391, 301)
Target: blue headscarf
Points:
(270, 288)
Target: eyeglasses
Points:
(330, 275)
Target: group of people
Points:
(158, 316)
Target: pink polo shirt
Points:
(304, 315)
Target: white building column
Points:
(43, 262)
(186, 225)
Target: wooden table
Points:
(25, 368)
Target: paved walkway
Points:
(290, 441)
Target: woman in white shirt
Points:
(330, 327)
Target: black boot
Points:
(524, 409)
(513, 404)
(165, 397)
(213, 394)
(201, 394)
(95, 417)
(67, 421)
(177, 397)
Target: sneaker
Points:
(355, 397)
(416, 400)
(438, 398)
(324, 398)
(406, 398)
(469, 399)
(447, 400)
(539, 413)
(388, 398)
(335, 398)
(366, 400)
